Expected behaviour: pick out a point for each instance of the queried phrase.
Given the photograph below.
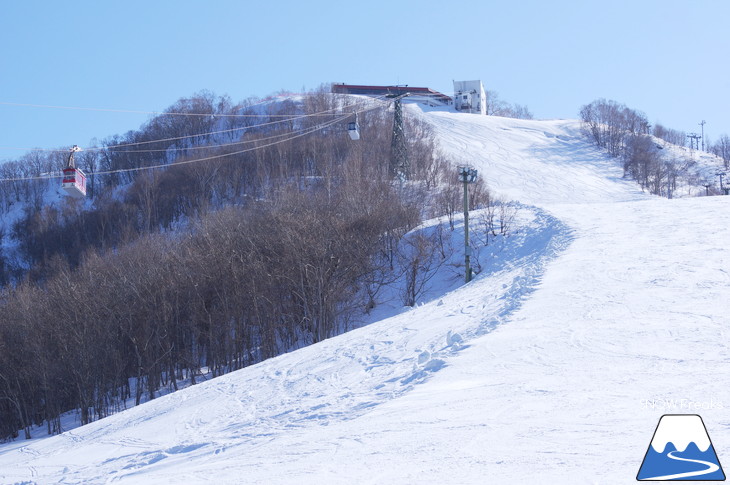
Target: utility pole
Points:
(703, 134)
(467, 175)
(398, 150)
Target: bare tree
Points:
(669, 135)
(420, 258)
(610, 124)
(722, 149)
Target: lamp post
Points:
(467, 175)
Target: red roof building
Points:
(426, 95)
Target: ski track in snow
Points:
(533, 373)
(337, 380)
(711, 468)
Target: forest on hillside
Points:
(283, 232)
(626, 134)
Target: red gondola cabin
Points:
(74, 182)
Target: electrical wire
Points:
(308, 131)
(122, 145)
(204, 147)
(181, 162)
(291, 118)
(197, 160)
(156, 113)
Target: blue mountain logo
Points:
(681, 450)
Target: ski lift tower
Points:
(467, 175)
(399, 165)
(723, 189)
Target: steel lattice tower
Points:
(399, 166)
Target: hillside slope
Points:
(553, 368)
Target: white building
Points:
(469, 96)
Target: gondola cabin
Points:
(74, 182)
(354, 130)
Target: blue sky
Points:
(663, 57)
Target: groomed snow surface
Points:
(605, 311)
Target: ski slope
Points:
(606, 310)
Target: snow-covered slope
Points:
(535, 162)
(607, 310)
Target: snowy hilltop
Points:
(681, 449)
(680, 431)
(605, 309)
